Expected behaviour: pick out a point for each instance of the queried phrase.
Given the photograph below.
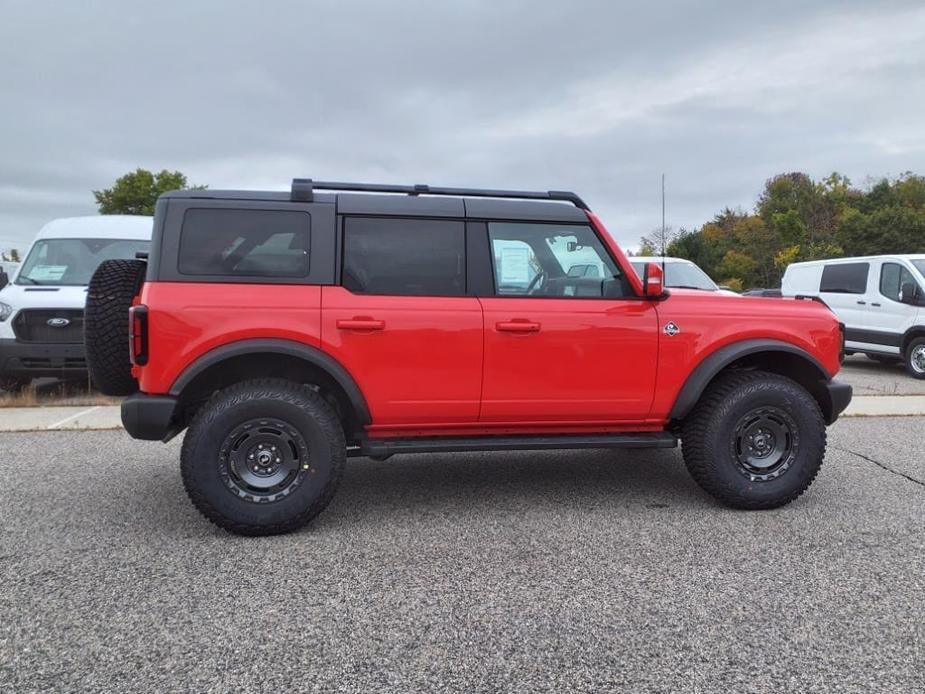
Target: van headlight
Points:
(5, 311)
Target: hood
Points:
(23, 296)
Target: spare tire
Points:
(113, 287)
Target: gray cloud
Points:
(599, 97)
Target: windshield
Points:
(681, 276)
(71, 262)
(920, 266)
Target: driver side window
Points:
(552, 260)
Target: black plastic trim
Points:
(308, 353)
(386, 447)
(150, 417)
(874, 337)
(839, 394)
(701, 376)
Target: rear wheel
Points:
(915, 358)
(756, 440)
(263, 457)
(113, 287)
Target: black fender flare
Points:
(716, 361)
(307, 353)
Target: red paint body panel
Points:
(186, 320)
(710, 321)
(424, 365)
(430, 366)
(585, 360)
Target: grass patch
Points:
(56, 394)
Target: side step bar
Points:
(380, 448)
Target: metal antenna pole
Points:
(663, 215)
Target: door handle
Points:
(877, 305)
(861, 303)
(517, 326)
(360, 324)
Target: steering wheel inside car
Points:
(537, 283)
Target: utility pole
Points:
(663, 215)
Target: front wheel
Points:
(263, 457)
(756, 440)
(915, 358)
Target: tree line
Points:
(797, 218)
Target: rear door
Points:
(848, 289)
(401, 321)
(562, 347)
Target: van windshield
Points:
(72, 262)
(681, 276)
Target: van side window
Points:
(404, 257)
(892, 278)
(255, 243)
(845, 278)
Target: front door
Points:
(566, 340)
(889, 317)
(401, 322)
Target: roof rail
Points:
(302, 191)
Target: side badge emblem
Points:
(671, 329)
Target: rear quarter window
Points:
(245, 243)
(845, 278)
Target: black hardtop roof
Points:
(418, 200)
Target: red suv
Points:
(288, 331)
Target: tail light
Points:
(841, 348)
(138, 335)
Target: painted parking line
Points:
(73, 417)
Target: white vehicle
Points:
(679, 273)
(880, 300)
(42, 309)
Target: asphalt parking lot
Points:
(585, 571)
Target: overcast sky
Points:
(600, 98)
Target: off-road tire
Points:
(911, 358)
(13, 384)
(709, 439)
(112, 289)
(210, 478)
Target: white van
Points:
(41, 310)
(880, 300)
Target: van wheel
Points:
(756, 440)
(13, 384)
(113, 287)
(263, 457)
(915, 358)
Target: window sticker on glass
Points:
(515, 265)
(48, 273)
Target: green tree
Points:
(137, 192)
(646, 247)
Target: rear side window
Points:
(247, 243)
(845, 278)
(404, 257)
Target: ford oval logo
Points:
(58, 322)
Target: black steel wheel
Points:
(755, 440)
(765, 443)
(263, 457)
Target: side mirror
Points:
(908, 294)
(653, 280)
(4, 278)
